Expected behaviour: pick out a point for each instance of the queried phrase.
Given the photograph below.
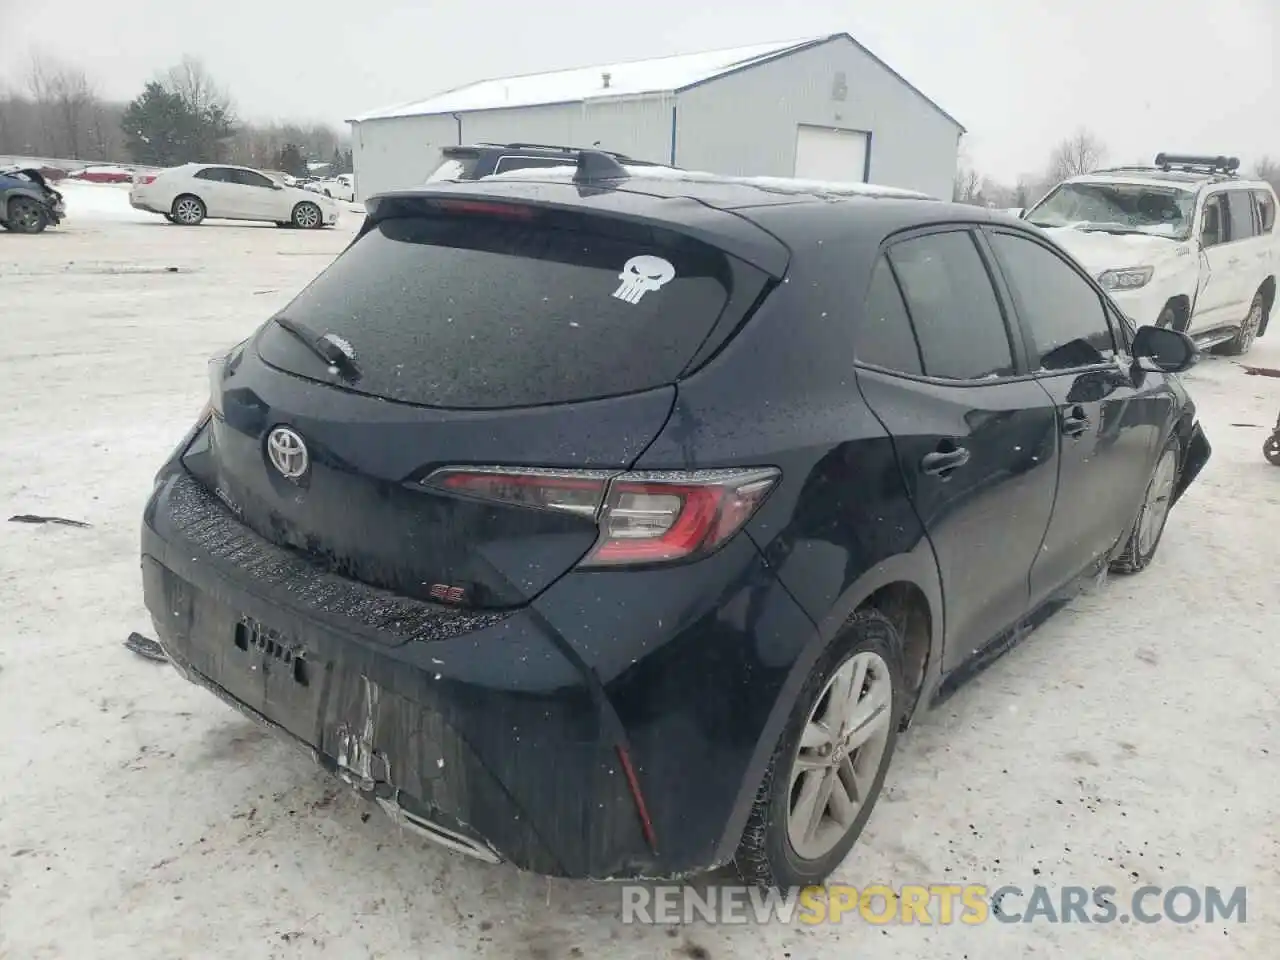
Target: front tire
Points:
(307, 216)
(1248, 332)
(188, 210)
(830, 762)
(1148, 527)
(24, 215)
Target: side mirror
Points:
(277, 186)
(1161, 350)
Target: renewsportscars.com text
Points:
(934, 904)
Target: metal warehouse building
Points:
(824, 108)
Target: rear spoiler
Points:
(598, 188)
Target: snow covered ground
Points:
(1132, 740)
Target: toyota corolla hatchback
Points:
(612, 526)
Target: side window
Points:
(522, 163)
(1266, 210)
(884, 337)
(953, 307)
(218, 174)
(1063, 314)
(1213, 224)
(250, 179)
(1240, 203)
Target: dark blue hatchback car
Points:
(615, 525)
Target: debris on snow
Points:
(146, 647)
(32, 518)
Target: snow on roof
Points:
(785, 185)
(634, 78)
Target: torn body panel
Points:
(506, 739)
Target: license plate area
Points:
(275, 675)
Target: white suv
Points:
(187, 194)
(1185, 244)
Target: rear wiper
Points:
(323, 347)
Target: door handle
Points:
(1074, 422)
(1233, 262)
(944, 461)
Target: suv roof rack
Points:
(1193, 163)
(557, 148)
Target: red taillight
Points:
(486, 208)
(143, 179)
(643, 518)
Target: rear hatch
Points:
(485, 369)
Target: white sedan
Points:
(188, 194)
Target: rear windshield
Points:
(482, 312)
(456, 166)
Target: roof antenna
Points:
(595, 165)
(606, 77)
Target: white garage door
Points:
(825, 153)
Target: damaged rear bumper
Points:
(1193, 461)
(557, 737)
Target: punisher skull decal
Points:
(642, 274)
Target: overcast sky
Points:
(1145, 75)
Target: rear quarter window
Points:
(486, 312)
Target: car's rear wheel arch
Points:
(906, 584)
(905, 605)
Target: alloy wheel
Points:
(1159, 498)
(307, 216)
(841, 747)
(1249, 329)
(188, 210)
(26, 215)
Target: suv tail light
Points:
(643, 517)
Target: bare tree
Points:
(1082, 152)
(1268, 170)
(75, 102)
(966, 185)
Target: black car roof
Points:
(758, 220)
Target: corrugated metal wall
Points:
(744, 123)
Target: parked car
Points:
(103, 175)
(188, 194)
(1186, 244)
(615, 526)
(476, 161)
(341, 187)
(27, 203)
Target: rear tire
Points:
(25, 215)
(188, 210)
(1144, 536)
(307, 216)
(861, 669)
(1248, 332)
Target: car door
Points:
(1111, 424)
(213, 187)
(974, 435)
(1248, 259)
(256, 197)
(1217, 296)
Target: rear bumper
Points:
(512, 731)
(1197, 455)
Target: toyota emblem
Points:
(287, 453)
